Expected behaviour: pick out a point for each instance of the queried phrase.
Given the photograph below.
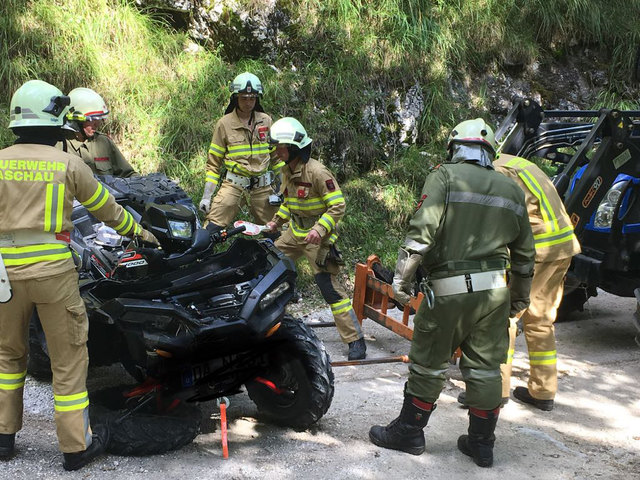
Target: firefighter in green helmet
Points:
(239, 147)
(313, 206)
(469, 227)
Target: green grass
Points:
(165, 92)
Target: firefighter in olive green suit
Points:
(470, 225)
(95, 148)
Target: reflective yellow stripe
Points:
(333, 198)
(510, 353)
(67, 403)
(554, 238)
(12, 381)
(127, 224)
(327, 222)
(238, 169)
(548, 215)
(543, 358)
(277, 167)
(53, 207)
(305, 204)
(98, 199)
(30, 254)
(283, 212)
(297, 230)
(213, 177)
(341, 306)
(216, 150)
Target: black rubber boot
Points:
(522, 394)
(7, 445)
(479, 442)
(77, 460)
(357, 349)
(405, 432)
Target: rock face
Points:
(256, 30)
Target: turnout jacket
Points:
(312, 200)
(470, 219)
(38, 184)
(102, 155)
(552, 228)
(241, 150)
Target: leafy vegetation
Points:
(333, 58)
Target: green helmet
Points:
(473, 131)
(38, 104)
(86, 105)
(246, 83)
(290, 131)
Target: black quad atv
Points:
(195, 324)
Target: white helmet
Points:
(38, 104)
(86, 105)
(290, 131)
(246, 83)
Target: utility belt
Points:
(466, 283)
(19, 238)
(264, 180)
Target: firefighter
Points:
(37, 268)
(313, 205)
(555, 245)
(469, 225)
(240, 146)
(96, 148)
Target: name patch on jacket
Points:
(330, 185)
(262, 133)
(302, 184)
(100, 159)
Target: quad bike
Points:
(194, 323)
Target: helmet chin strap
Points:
(465, 152)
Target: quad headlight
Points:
(606, 209)
(274, 294)
(180, 229)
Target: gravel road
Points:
(593, 432)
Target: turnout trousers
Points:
(229, 198)
(476, 322)
(537, 321)
(327, 280)
(64, 320)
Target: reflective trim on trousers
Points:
(12, 381)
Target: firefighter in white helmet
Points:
(239, 146)
(97, 149)
(313, 205)
(37, 269)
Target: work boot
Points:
(478, 444)
(357, 349)
(462, 399)
(7, 444)
(77, 460)
(522, 394)
(405, 432)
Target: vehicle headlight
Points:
(604, 214)
(180, 229)
(273, 295)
